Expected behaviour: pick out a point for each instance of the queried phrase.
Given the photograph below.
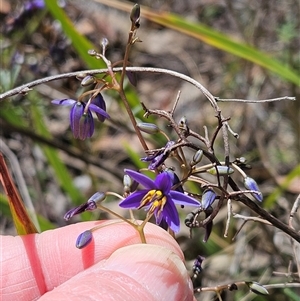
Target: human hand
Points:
(114, 266)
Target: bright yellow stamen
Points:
(158, 200)
(156, 204)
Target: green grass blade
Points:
(214, 38)
(223, 42)
(80, 43)
(62, 175)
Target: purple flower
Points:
(82, 123)
(34, 4)
(157, 198)
(159, 157)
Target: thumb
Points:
(136, 272)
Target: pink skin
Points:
(114, 266)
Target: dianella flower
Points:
(158, 198)
(81, 119)
(159, 157)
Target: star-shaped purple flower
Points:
(158, 198)
(82, 123)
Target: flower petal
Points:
(64, 102)
(75, 116)
(98, 110)
(134, 200)
(175, 180)
(142, 179)
(100, 103)
(164, 182)
(87, 126)
(170, 215)
(183, 199)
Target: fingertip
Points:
(136, 272)
(155, 267)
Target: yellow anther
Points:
(159, 193)
(156, 204)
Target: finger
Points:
(35, 264)
(137, 272)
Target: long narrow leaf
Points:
(80, 43)
(213, 38)
(61, 172)
(43, 222)
(20, 216)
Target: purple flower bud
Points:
(252, 185)
(208, 198)
(84, 239)
(88, 206)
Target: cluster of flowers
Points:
(160, 195)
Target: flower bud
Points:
(197, 157)
(252, 185)
(257, 288)
(149, 128)
(135, 15)
(127, 182)
(88, 80)
(97, 198)
(208, 198)
(84, 239)
(222, 170)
